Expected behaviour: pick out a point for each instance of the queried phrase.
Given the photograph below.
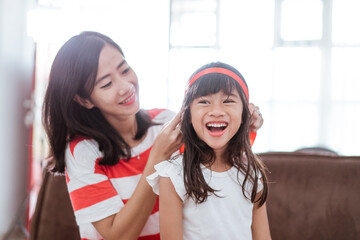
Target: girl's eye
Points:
(228, 101)
(106, 85)
(204, 102)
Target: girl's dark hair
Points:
(197, 152)
(73, 72)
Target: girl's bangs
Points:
(212, 84)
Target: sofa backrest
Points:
(313, 196)
(53, 217)
(310, 197)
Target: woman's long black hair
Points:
(239, 153)
(73, 72)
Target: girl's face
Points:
(216, 118)
(115, 91)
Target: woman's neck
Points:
(127, 128)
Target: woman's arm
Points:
(170, 206)
(131, 219)
(260, 224)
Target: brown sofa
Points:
(311, 196)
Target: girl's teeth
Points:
(216, 125)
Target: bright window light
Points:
(346, 13)
(194, 29)
(301, 20)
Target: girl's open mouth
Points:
(216, 128)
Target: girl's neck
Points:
(219, 165)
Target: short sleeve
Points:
(92, 194)
(260, 184)
(249, 185)
(171, 169)
(254, 173)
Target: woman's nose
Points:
(123, 86)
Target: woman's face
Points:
(116, 89)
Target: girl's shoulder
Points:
(173, 166)
(172, 169)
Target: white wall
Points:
(16, 64)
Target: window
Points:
(322, 44)
(299, 58)
(194, 40)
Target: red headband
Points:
(223, 71)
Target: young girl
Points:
(218, 187)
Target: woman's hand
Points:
(169, 140)
(129, 222)
(256, 118)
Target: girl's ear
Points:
(86, 103)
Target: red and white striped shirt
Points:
(98, 191)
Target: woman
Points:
(108, 146)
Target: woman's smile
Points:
(130, 99)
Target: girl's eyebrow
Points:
(107, 75)
(231, 95)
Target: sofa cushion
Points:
(313, 196)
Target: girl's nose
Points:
(216, 110)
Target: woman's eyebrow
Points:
(106, 75)
(122, 63)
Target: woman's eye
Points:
(126, 70)
(106, 85)
(203, 101)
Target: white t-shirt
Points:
(226, 217)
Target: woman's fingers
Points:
(256, 118)
(173, 123)
(170, 139)
(174, 128)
